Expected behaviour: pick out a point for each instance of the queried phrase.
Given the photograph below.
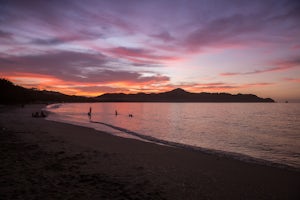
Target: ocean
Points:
(268, 133)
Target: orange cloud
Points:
(30, 80)
(46, 82)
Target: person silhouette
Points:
(90, 113)
(116, 112)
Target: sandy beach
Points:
(41, 159)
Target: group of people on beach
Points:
(116, 113)
(39, 114)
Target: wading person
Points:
(90, 113)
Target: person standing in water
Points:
(116, 112)
(90, 113)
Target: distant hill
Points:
(13, 94)
(180, 95)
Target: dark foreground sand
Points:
(40, 159)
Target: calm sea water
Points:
(264, 131)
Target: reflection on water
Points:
(268, 131)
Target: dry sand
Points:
(41, 159)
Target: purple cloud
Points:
(164, 36)
(58, 22)
(189, 25)
(62, 64)
(139, 53)
(102, 41)
(50, 41)
(267, 23)
(74, 66)
(110, 76)
(5, 34)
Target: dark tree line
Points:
(14, 94)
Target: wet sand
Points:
(41, 159)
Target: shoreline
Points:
(214, 152)
(125, 133)
(94, 162)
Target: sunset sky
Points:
(94, 47)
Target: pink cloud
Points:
(296, 80)
(296, 47)
(273, 69)
(256, 84)
(279, 66)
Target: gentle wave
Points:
(53, 106)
